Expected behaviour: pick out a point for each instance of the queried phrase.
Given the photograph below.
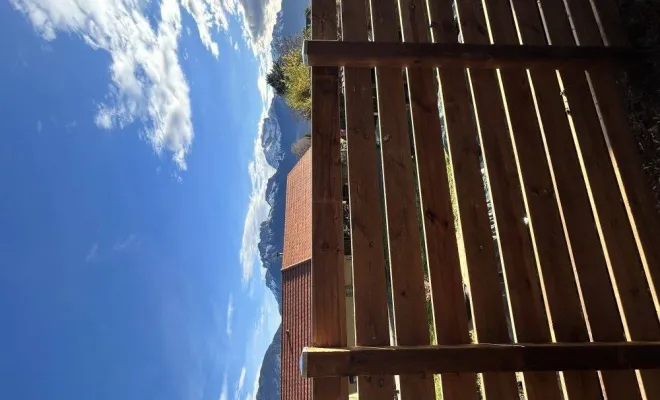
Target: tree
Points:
(300, 147)
(289, 76)
(298, 81)
(275, 78)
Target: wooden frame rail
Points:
(328, 53)
(331, 362)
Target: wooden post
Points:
(332, 362)
(328, 304)
(409, 54)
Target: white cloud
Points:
(260, 171)
(207, 15)
(224, 393)
(258, 19)
(265, 327)
(230, 314)
(91, 253)
(241, 382)
(127, 243)
(269, 320)
(233, 43)
(104, 117)
(147, 82)
(255, 386)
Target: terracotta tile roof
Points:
(296, 329)
(298, 216)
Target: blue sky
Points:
(131, 192)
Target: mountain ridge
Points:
(280, 130)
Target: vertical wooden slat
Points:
(523, 287)
(328, 306)
(369, 280)
(487, 302)
(632, 274)
(638, 199)
(411, 325)
(579, 223)
(625, 266)
(519, 264)
(450, 318)
(561, 291)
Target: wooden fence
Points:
(562, 280)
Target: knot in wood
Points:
(430, 215)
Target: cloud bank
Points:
(147, 82)
(148, 85)
(259, 18)
(258, 209)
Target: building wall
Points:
(296, 329)
(297, 326)
(297, 284)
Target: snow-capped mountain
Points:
(279, 131)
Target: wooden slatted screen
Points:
(449, 316)
(369, 273)
(625, 267)
(490, 323)
(439, 234)
(403, 236)
(579, 224)
(519, 264)
(638, 201)
(535, 168)
(328, 305)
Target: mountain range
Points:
(279, 131)
(278, 134)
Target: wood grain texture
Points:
(579, 223)
(328, 304)
(480, 357)
(554, 260)
(407, 275)
(625, 266)
(623, 150)
(451, 322)
(515, 247)
(375, 54)
(637, 196)
(369, 272)
(519, 264)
